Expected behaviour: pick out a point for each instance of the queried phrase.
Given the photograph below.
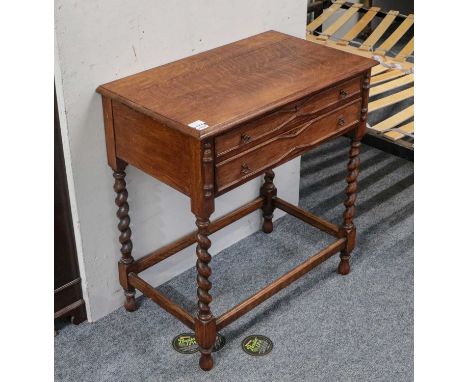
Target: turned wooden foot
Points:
(205, 334)
(268, 192)
(206, 362)
(343, 267)
(130, 302)
(267, 226)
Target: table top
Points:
(225, 86)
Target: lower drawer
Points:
(287, 145)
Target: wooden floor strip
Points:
(387, 76)
(340, 22)
(399, 132)
(378, 69)
(359, 26)
(379, 31)
(391, 99)
(406, 51)
(406, 66)
(395, 36)
(324, 16)
(395, 84)
(395, 120)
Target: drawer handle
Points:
(245, 138)
(343, 93)
(341, 121)
(245, 169)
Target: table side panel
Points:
(283, 147)
(154, 148)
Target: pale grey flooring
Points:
(325, 327)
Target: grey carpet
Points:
(325, 327)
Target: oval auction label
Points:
(257, 345)
(186, 343)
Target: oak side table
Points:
(208, 123)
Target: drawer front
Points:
(284, 146)
(291, 115)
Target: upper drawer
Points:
(285, 146)
(253, 132)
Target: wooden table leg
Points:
(351, 193)
(120, 187)
(268, 192)
(205, 324)
(202, 203)
(348, 228)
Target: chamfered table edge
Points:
(224, 126)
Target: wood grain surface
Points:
(284, 118)
(247, 165)
(235, 82)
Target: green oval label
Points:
(185, 343)
(257, 345)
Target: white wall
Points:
(99, 41)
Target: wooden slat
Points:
(171, 249)
(163, 253)
(406, 51)
(379, 31)
(277, 285)
(340, 21)
(395, 119)
(307, 217)
(378, 69)
(169, 306)
(359, 26)
(387, 76)
(324, 16)
(391, 99)
(399, 132)
(364, 53)
(395, 36)
(395, 84)
(68, 308)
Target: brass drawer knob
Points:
(343, 93)
(245, 169)
(245, 138)
(341, 121)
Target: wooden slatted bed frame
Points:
(391, 81)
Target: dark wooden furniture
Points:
(259, 102)
(68, 298)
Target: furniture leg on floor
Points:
(120, 188)
(205, 323)
(293, 96)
